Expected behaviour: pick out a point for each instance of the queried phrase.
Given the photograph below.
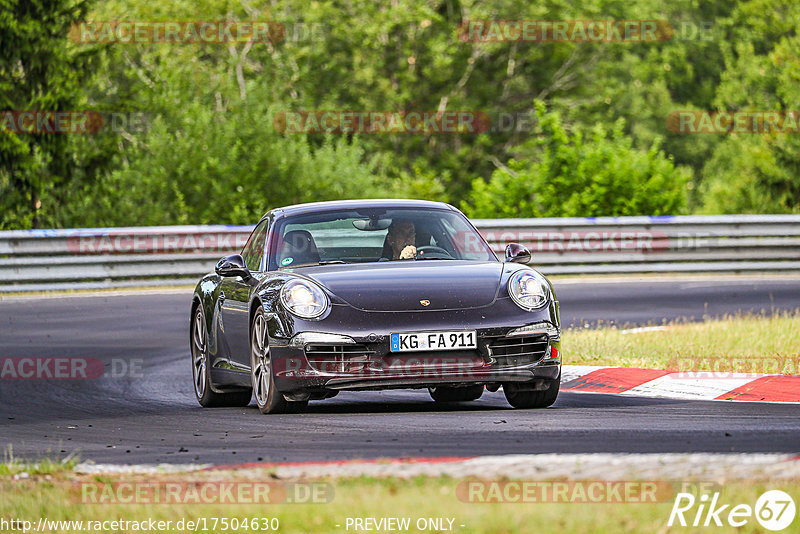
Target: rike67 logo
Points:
(774, 510)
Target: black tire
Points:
(519, 397)
(459, 394)
(268, 398)
(203, 389)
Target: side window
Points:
(253, 251)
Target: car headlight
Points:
(528, 289)
(304, 299)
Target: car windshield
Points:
(373, 235)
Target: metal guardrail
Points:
(119, 257)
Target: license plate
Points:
(418, 341)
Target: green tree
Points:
(40, 70)
(758, 173)
(202, 166)
(211, 107)
(572, 174)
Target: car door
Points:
(235, 297)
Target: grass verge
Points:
(750, 344)
(58, 497)
(13, 466)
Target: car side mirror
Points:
(516, 253)
(232, 266)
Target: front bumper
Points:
(312, 362)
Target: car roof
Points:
(312, 207)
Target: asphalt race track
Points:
(149, 415)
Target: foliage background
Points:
(594, 140)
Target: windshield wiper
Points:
(331, 262)
(421, 258)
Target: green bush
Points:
(207, 167)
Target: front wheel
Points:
(520, 397)
(268, 398)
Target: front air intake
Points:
(516, 351)
(339, 358)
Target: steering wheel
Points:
(432, 249)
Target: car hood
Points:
(402, 285)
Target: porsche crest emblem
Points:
(425, 302)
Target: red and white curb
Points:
(697, 385)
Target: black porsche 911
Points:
(368, 295)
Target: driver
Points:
(401, 238)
